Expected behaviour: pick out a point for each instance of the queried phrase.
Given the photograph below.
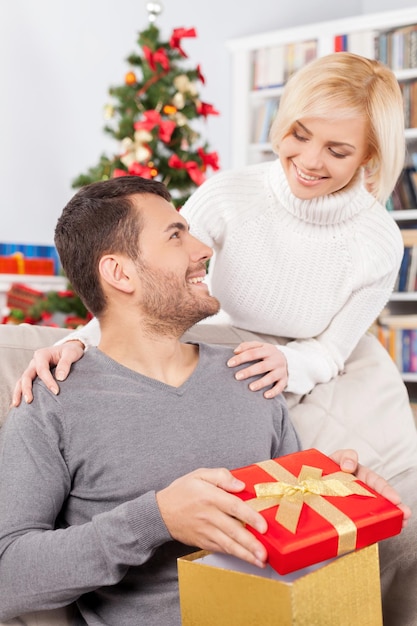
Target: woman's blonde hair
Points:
(344, 85)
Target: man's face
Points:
(171, 270)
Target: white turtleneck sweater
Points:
(317, 272)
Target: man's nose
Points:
(199, 250)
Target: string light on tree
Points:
(154, 9)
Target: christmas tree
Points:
(151, 116)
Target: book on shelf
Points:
(361, 42)
(401, 344)
(407, 275)
(404, 194)
(409, 92)
(273, 65)
(263, 119)
(397, 47)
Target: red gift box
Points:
(313, 526)
(22, 297)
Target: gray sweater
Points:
(79, 472)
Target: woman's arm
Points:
(301, 364)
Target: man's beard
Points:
(170, 307)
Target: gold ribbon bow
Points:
(291, 493)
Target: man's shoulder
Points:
(215, 352)
(214, 360)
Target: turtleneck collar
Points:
(324, 210)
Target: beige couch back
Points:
(17, 345)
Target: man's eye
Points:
(175, 235)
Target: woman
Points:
(306, 257)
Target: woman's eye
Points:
(175, 235)
(298, 137)
(337, 154)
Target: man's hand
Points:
(270, 361)
(198, 511)
(348, 461)
(43, 359)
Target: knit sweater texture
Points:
(79, 519)
(315, 272)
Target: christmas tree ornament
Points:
(179, 100)
(169, 109)
(154, 9)
(108, 111)
(130, 78)
(184, 85)
(135, 151)
(181, 120)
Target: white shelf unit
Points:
(246, 99)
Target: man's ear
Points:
(115, 270)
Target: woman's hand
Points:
(348, 461)
(43, 359)
(270, 361)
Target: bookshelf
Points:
(262, 63)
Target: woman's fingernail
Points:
(231, 363)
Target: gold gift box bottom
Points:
(341, 592)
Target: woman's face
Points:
(321, 156)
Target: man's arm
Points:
(42, 567)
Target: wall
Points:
(57, 61)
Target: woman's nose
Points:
(311, 157)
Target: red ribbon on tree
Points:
(209, 158)
(159, 56)
(200, 75)
(192, 167)
(135, 169)
(203, 108)
(177, 35)
(151, 119)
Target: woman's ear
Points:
(115, 270)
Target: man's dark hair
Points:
(100, 219)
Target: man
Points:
(99, 491)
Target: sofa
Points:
(17, 344)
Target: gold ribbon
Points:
(20, 262)
(290, 493)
